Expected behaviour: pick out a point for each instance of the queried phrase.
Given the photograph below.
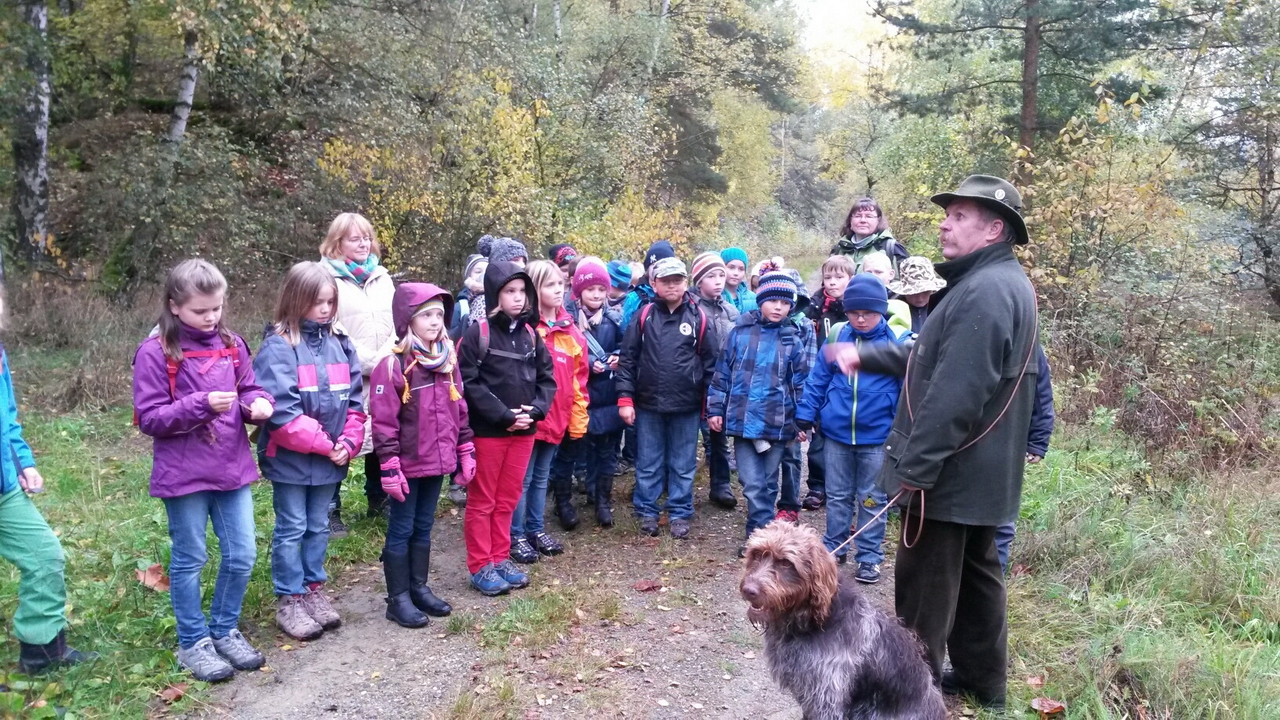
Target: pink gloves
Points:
(393, 481)
(353, 432)
(467, 462)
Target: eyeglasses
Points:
(861, 315)
(866, 216)
(360, 240)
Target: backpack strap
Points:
(213, 356)
(834, 332)
(644, 313)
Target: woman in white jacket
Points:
(365, 288)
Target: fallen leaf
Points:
(154, 578)
(173, 693)
(1047, 707)
(647, 585)
(749, 655)
(663, 703)
(1035, 681)
(1019, 569)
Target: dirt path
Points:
(582, 639)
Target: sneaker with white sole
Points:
(868, 573)
(204, 663)
(294, 620)
(236, 650)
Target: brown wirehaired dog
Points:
(825, 643)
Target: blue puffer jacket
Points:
(759, 378)
(15, 455)
(318, 403)
(854, 410)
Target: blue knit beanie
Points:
(733, 253)
(866, 292)
(657, 251)
(620, 274)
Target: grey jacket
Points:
(963, 417)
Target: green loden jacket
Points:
(963, 372)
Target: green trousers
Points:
(27, 542)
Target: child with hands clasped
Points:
(313, 372)
(193, 392)
(421, 434)
(508, 383)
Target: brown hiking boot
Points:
(293, 619)
(317, 605)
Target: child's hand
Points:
(1033, 459)
(597, 367)
(31, 480)
(716, 424)
(613, 362)
(628, 415)
(339, 454)
(221, 402)
(523, 421)
(260, 410)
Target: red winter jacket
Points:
(572, 369)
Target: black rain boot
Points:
(419, 593)
(38, 659)
(604, 501)
(565, 512)
(400, 608)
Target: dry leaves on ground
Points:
(154, 578)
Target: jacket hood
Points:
(497, 275)
(409, 297)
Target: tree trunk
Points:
(657, 37)
(186, 88)
(1030, 76)
(31, 138)
(555, 14)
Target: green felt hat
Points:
(992, 192)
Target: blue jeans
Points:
(231, 512)
(301, 537)
(666, 459)
(527, 519)
(716, 448)
(1004, 538)
(851, 478)
(758, 473)
(411, 521)
(789, 489)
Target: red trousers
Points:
(492, 498)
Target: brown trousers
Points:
(950, 591)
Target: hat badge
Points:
(1000, 194)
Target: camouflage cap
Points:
(916, 275)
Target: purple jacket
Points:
(426, 431)
(195, 449)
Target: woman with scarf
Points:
(866, 230)
(350, 252)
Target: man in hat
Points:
(957, 445)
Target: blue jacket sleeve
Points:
(1042, 414)
(277, 370)
(815, 390)
(12, 428)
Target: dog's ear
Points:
(824, 579)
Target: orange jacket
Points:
(572, 369)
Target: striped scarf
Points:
(435, 357)
(359, 272)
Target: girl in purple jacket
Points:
(312, 371)
(420, 432)
(193, 392)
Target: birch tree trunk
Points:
(657, 38)
(186, 88)
(31, 138)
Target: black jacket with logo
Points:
(664, 366)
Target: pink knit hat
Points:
(590, 272)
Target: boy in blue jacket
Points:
(854, 413)
(758, 382)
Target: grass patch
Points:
(1139, 597)
(540, 619)
(490, 699)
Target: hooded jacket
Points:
(572, 370)
(971, 382)
(882, 241)
(720, 312)
(602, 390)
(664, 366)
(759, 379)
(364, 313)
(426, 430)
(517, 368)
(855, 410)
(317, 388)
(194, 448)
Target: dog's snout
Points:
(750, 590)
